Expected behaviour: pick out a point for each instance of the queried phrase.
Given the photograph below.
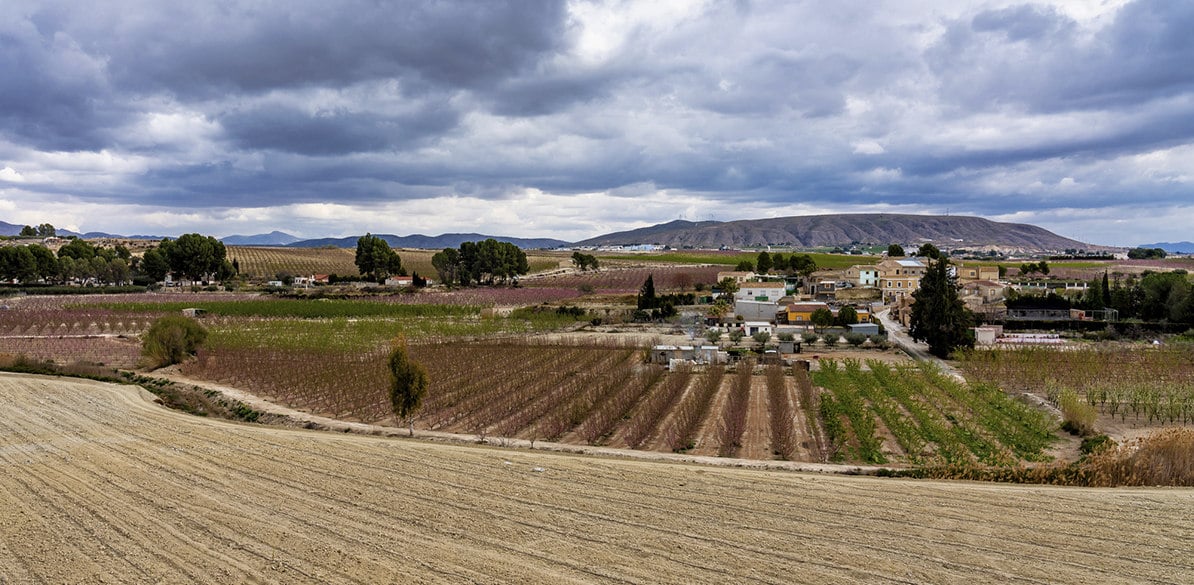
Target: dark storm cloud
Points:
(53, 95)
(290, 129)
(72, 70)
(257, 46)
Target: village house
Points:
(761, 291)
(967, 272)
(756, 310)
(982, 291)
(802, 313)
(737, 276)
(399, 281)
(899, 278)
(862, 275)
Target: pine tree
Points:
(938, 316)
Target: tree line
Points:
(487, 262)
(191, 256)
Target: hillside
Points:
(844, 229)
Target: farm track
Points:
(97, 483)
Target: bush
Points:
(1096, 444)
(830, 339)
(171, 339)
(810, 338)
(762, 337)
(787, 336)
(855, 339)
(1078, 416)
(879, 341)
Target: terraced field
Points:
(99, 484)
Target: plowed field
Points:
(97, 484)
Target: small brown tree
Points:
(408, 384)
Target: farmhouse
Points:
(762, 291)
(399, 281)
(862, 275)
(899, 278)
(802, 313)
(737, 276)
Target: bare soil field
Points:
(98, 484)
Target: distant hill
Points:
(1172, 247)
(274, 238)
(431, 242)
(845, 229)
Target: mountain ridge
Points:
(810, 231)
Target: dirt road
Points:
(97, 484)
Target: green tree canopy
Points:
(28, 232)
(585, 261)
(895, 251)
(745, 266)
(847, 316)
(928, 250)
(196, 257)
(375, 259)
(821, 318)
(763, 263)
(939, 317)
(487, 262)
(408, 384)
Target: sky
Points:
(573, 119)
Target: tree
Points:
(728, 286)
(585, 261)
(375, 259)
(764, 264)
(895, 251)
(713, 335)
(78, 249)
(18, 263)
(847, 316)
(195, 257)
(28, 232)
(821, 318)
(408, 384)
(446, 264)
(646, 295)
(745, 266)
(154, 265)
(938, 316)
(802, 264)
(171, 339)
(46, 230)
(928, 250)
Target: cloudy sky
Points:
(572, 119)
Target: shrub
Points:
(736, 335)
(830, 339)
(855, 339)
(810, 338)
(879, 341)
(1097, 444)
(1078, 416)
(171, 339)
(787, 336)
(762, 337)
